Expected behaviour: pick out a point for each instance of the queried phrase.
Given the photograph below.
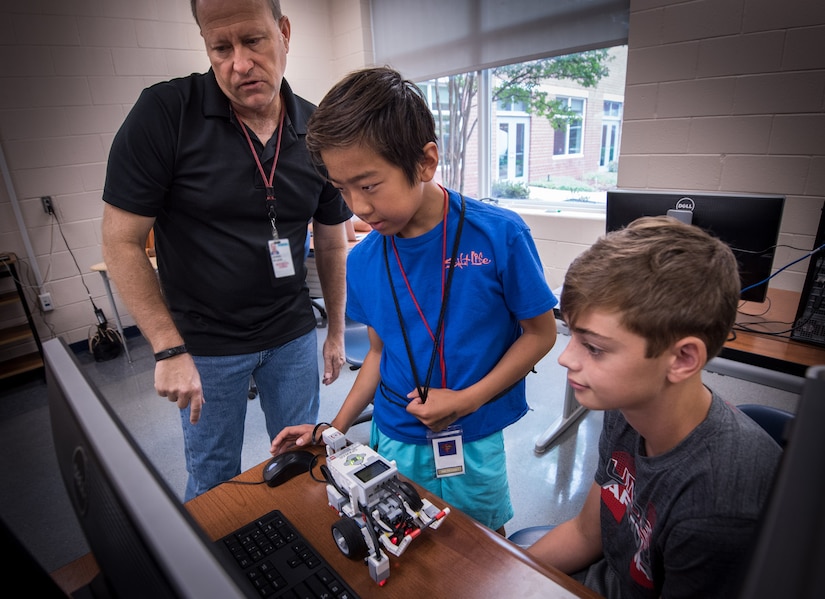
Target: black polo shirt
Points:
(181, 157)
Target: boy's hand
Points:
(292, 436)
(438, 412)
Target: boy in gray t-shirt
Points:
(682, 475)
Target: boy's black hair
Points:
(379, 109)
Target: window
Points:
(568, 138)
(611, 126)
(512, 146)
(526, 161)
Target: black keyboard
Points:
(279, 562)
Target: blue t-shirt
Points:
(498, 281)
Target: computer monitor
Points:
(749, 224)
(143, 539)
(789, 551)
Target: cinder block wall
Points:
(729, 95)
(69, 75)
(721, 95)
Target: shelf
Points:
(15, 334)
(20, 365)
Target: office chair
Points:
(356, 345)
(773, 420)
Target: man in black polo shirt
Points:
(216, 163)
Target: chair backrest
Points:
(773, 420)
(356, 343)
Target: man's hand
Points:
(177, 379)
(333, 358)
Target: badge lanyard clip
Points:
(273, 215)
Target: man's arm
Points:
(124, 242)
(577, 543)
(330, 246)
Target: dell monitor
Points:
(749, 224)
(144, 541)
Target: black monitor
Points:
(789, 552)
(749, 224)
(143, 539)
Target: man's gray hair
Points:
(274, 5)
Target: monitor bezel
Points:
(741, 246)
(169, 541)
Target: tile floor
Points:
(546, 488)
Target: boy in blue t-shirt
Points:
(452, 290)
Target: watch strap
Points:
(172, 351)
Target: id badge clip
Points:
(448, 449)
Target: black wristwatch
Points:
(172, 351)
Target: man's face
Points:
(247, 49)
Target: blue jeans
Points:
(288, 384)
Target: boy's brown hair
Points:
(666, 279)
(379, 109)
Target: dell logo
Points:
(685, 204)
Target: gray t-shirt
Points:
(681, 524)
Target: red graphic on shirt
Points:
(469, 259)
(618, 496)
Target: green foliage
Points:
(455, 100)
(521, 82)
(596, 181)
(510, 189)
(564, 183)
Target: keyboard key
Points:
(280, 563)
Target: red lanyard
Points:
(441, 359)
(270, 189)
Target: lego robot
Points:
(379, 513)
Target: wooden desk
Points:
(765, 353)
(762, 346)
(461, 559)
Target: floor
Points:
(546, 488)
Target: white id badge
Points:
(281, 257)
(448, 449)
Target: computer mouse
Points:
(287, 465)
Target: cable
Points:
(808, 314)
(101, 318)
(762, 282)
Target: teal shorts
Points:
(482, 492)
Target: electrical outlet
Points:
(46, 302)
(48, 204)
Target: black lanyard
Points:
(423, 390)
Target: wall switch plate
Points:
(46, 302)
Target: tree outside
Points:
(556, 125)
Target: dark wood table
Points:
(460, 559)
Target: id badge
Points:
(281, 257)
(448, 449)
